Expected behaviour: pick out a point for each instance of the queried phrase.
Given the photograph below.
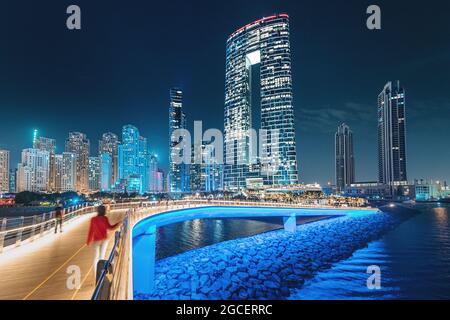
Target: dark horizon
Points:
(119, 67)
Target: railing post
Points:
(19, 233)
(43, 223)
(33, 229)
(3, 234)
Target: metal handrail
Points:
(44, 223)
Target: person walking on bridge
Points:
(59, 216)
(98, 235)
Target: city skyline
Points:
(316, 116)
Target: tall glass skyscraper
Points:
(110, 144)
(133, 160)
(392, 136)
(178, 173)
(106, 167)
(262, 44)
(345, 161)
(79, 144)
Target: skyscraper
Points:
(106, 166)
(65, 172)
(153, 174)
(110, 144)
(33, 171)
(79, 144)
(263, 44)
(133, 160)
(49, 145)
(4, 171)
(392, 136)
(94, 174)
(345, 161)
(12, 180)
(178, 172)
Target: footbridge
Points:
(38, 264)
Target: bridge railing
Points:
(19, 230)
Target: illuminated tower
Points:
(345, 161)
(392, 136)
(110, 144)
(263, 44)
(79, 144)
(178, 172)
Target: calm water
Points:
(414, 261)
(181, 237)
(414, 258)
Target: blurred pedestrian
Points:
(98, 235)
(59, 216)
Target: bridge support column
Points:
(144, 257)
(290, 223)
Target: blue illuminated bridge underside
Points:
(144, 233)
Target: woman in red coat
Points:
(98, 235)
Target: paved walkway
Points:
(38, 270)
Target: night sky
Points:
(118, 70)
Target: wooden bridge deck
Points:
(38, 270)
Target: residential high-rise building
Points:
(79, 144)
(94, 174)
(345, 161)
(110, 144)
(12, 180)
(263, 44)
(65, 172)
(33, 171)
(4, 171)
(106, 166)
(133, 160)
(153, 174)
(392, 136)
(178, 172)
(49, 145)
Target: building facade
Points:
(178, 172)
(79, 144)
(94, 174)
(344, 158)
(65, 172)
(110, 144)
(134, 160)
(4, 171)
(262, 44)
(49, 145)
(12, 180)
(106, 168)
(33, 171)
(392, 136)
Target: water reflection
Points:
(414, 260)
